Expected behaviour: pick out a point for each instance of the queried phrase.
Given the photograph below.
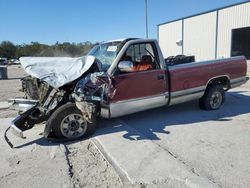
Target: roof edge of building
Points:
(206, 12)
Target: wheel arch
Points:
(223, 80)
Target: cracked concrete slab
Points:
(142, 161)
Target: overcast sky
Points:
(48, 21)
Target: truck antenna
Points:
(146, 14)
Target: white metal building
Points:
(219, 33)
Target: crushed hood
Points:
(56, 71)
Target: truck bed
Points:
(190, 80)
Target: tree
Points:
(8, 49)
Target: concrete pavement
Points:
(143, 161)
(183, 146)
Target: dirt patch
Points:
(90, 168)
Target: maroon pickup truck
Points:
(122, 77)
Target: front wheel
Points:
(68, 122)
(213, 98)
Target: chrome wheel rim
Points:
(216, 100)
(73, 126)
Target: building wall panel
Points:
(168, 35)
(231, 18)
(200, 35)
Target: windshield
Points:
(106, 53)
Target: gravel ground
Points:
(90, 168)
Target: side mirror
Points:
(126, 66)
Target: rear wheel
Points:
(213, 98)
(68, 122)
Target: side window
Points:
(142, 55)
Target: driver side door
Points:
(139, 90)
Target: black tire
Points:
(69, 110)
(213, 98)
(201, 104)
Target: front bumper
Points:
(21, 104)
(22, 122)
(14, 127)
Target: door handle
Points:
(161, 77)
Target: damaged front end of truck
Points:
(42, 101)
(68, 94)
(39, 102)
